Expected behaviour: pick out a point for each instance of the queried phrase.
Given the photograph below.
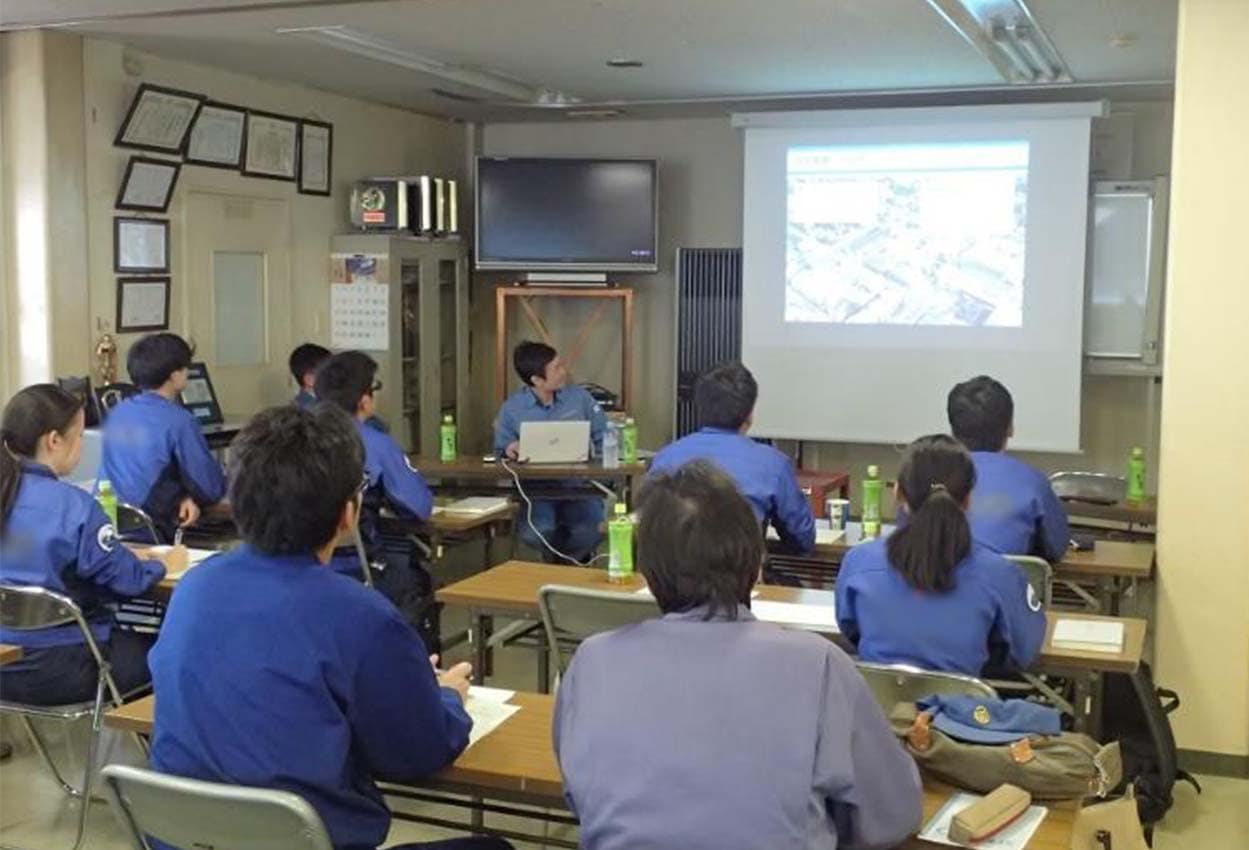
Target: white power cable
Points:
(529, 519)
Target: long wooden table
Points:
(511, 589)
(1144, 512)
(9, 654)
(516, 763)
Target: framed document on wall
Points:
(316, 147)
(142, 304)
(147, 184)
(158, 119)
(140, 245)
(216, 138)
(272, 146)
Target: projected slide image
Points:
(928, 234)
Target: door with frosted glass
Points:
(239, 296)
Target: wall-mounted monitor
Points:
(576, 214)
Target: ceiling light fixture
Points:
(625, 63)
(1007, 34)
(379, 50)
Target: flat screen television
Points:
(566, 214)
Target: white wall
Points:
(700, 205)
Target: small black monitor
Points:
(200, 398)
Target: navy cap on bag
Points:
(983, 721)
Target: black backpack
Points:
(1135, 713)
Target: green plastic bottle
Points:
(447, 449)
(629, 441)
(1136, 475)
(107, 497)
(620, 545)
(871, 503)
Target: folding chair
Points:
(1040, 576)
(35, 608)
(572, 614)
(895, 683)
(1089, 487)
(131, 517)
(193, 813)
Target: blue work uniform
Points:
(1014, 510)
(393, 483)
(668, 735)
(570, 525)
(155, 456)
(991, 615)
(57, 537)
(764, 476)
(305, 400)
(275, 672)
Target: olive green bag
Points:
(1049, 767)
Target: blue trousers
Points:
(569, 525)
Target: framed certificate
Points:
(316, 145)
(142, 304)
(158, 119)
(140, 245)
(272, 146)
(217, 137)
(147, 184)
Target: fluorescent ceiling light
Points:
(1007, 34)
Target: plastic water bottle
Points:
(629, 441)
(871, 503)
(1136, 475)
(620, 546)
(107, 497)
(611, 447)
(447, 448)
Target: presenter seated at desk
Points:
(1013, 508)
(347, 381)
(155, 454)
(304, 362)
(725, 399)
(705, 728)
(929, 595)
(570, 526)
(274, 671)
(55, 536)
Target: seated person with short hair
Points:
(725, 398)
(706, 728)
(571, 525)
(930, 594)
(55, 536)
(304, 362)
(273, 671)
(1013, 508)
(154, 452)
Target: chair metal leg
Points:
(88, 774)
(42, 748)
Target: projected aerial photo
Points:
(928, 234)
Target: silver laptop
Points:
(555, 442)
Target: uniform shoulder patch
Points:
(1033, 601)
(106, 537)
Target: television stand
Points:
(565, 278)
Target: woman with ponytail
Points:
(929, 595)
(54, 535)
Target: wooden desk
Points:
(1131, 513)
(9, 654)
(517, 763)
(511, 589)
(472, 467)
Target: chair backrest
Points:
(131, 517)
(111, 395)
(1089, 486)
(895, 683)
(1039, 574)
(572, 614)
(193, 813)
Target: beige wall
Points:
(1202, 640)
(700, 206)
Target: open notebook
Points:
(1088, 635)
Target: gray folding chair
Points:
(130, 517)
(31, 609)
(1089, 486)
(572, 614)
(193, 813)
(1040, 576)
(895, 683)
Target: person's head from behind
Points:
(540, 366)
(698, 540)
(981, 413)
(348, 380)
(41, 423)
(935, 483)
(304, 362)
(160, 362)
(725, 397)
(295, 476)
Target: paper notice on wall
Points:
(359, 316)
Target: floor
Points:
(35, 815)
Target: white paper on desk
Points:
(646, 591)
(484, 694)
(821, 617)
(1014, 837)
(1090, 635)
(487, 714)
(194, 557)
(475, 506)
(823, 536)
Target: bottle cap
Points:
(629, 420)
(873, 471)
(621, 509)
(448, 418)
(1137, 451)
